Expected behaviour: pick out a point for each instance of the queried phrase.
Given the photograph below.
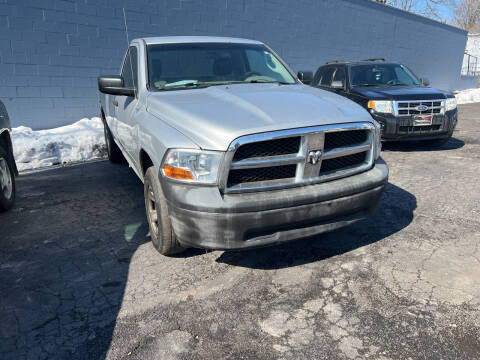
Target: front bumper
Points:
(401, 127)
(203, 217)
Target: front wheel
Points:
(161, 232)
(7, 182)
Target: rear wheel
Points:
(7, 182)
(114, 153)
(161, 232)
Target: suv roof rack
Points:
(335, 61)
(374, 59)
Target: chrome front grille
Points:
(297, 157)
(419, 107)
(268, 148)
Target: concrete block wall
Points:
(51, 51)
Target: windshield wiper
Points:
(366, 85)
(193, 84)
(197, 85)
(266, 82)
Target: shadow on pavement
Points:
(410, 146)
(65, 251)
(394, 213)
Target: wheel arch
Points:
(145, 161)
(6, 143)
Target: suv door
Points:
(340, 76)
(126, 105)
(324, 77)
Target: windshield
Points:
(382, 74)
(174, 66)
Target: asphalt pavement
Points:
(79, 278)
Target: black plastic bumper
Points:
(401, 128)
(203, 217)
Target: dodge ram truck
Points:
(233, 150)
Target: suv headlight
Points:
(381, 106)
(377, 141)
(451, 104)
(192, 166)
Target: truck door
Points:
(126, 105)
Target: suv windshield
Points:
(382, 74)
(174, 66)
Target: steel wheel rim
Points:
(152, 211)
(6, 185)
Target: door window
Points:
(340, 75)
(325, 76)
(130, 68)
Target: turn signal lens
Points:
(371, 104)
(177, 173)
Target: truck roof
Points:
(196, 39)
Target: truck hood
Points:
(399, 93)
(213, 117)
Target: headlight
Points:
(377, 140)
(381, 106)
(451, 104)
(192, 166)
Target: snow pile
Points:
(468, 96)
(80, 141)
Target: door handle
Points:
(115, 103)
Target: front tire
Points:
(114, 153)
(161, 232)
(7, 182)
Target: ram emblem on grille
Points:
(314, 156)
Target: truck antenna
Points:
(128, 51)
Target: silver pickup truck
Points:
(233, 150)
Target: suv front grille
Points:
(419, 107)
(419, 129)
(298, 156)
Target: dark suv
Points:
(403, 104)
(8, 168)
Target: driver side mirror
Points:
(113, 85)
(425, 81)
(305, 77)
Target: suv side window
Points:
(340, 75)
(325, 76)
(131, 64)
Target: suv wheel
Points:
(114, 153)
(7, 182)
(161, 232)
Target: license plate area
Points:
(422, 120)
